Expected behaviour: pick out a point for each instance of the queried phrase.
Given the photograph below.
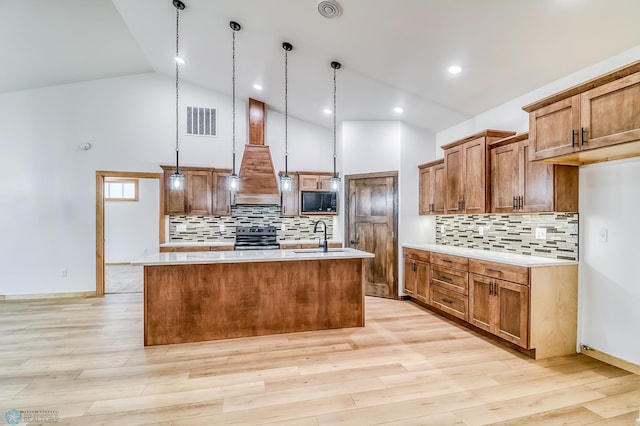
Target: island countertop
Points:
(249, 256)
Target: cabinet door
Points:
(422, 282)
(199, 191)
(289, 201)
(175, 200)
(512, 323)
(222, 195)
(323, 183)
(505, 178)
(537, 183)
(454, 179)
(308, 182)
(481, 302)
(610, 114)
(475, 177)
(425, 195)
(554, 128)
(438, 180)
(409, 285)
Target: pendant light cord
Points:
(286, 110)
(334, 120)
(177, 85)
(233, 99)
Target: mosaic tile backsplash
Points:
(513, 233)
(208, 228)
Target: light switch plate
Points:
(603, 235)
(181, 228)
(442, 228)
(481, 230)
(221, 228)
(541, 233)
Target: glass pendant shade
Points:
(334, 183)
(177, 181)
(286, 183)
(233, 181)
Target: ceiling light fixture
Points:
(398, 110)
(233, 181)
(179, 60)
(334, 181)
(286, 183)
(176, 180)
(257, 86)
(326, 111)
(455, 69)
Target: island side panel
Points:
(198, 302)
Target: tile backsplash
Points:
(223, 228)
(515, 233)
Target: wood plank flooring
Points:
(85, 359)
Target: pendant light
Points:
(286, 183)
(233, 180)
(334, 181)
(176, 180)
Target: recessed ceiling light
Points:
(257, 86)
(326, 111)
(455, 69)
(398, 109)
(179, 60)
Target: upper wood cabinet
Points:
(432, 187)
(467, 172)
(314, 182)
(597, 120)
(522, 186)
(205, 192)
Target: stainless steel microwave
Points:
(318, 202)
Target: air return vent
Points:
(201, 121)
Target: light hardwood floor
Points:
(85, 359)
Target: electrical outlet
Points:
(442, 228)
(481, 230)
(181, 228)
(603, 235)
(541, 233)
(63, 272)
(222, 227)
(283, 227)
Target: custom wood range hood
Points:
(258, 183)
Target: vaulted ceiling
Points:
(394, 53)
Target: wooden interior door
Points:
(371, 225)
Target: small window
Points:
(116, 189)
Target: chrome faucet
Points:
(325, 244)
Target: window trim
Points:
(122, 180)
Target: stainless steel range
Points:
(256, 238)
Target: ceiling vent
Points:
(329, 8)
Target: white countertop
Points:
(493, 256)
(249, 256)
(314, 241)
(198, 244)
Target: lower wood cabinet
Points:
(416, 274)
(534, 308)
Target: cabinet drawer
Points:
(516, 274)
(451, 302)
(175, 249)
(451, 279)
(417, 254)
(450, 261)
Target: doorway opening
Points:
(113, 273)
(371, 224)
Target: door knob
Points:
(352, 242)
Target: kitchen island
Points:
(198, 296)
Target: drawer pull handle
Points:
(498, 271)
(446, 278)
(448, 301)
(447, 260)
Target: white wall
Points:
(49, 205)
(608, 289)
(609, 285)
(131, 228)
